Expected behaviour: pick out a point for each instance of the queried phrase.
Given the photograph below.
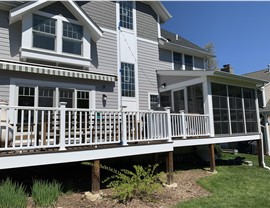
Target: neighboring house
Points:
(264, 102)
(109, 65)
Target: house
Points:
(90, 80)
(264, 104)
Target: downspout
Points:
(263, 162)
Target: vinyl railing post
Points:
(168, 109)
(124, 127)
(182, 113)
(62, 125)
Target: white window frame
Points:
(149, 99)
(57, 56)
(15, 83)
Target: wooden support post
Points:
(212, 158)
(95, 188)
(169, 168)
(260, 152)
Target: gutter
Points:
(263, 162)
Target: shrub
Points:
(45, 193)
(142, 183)
(12, 195)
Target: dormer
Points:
(55, 32)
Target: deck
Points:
(39, 136)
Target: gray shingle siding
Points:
(103, 13)
(104, 54)
(147, 66)
(10, 37)
(146, 22)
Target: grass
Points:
(235, 186)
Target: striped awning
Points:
(57, 71)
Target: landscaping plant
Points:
(142, 183)
(45, 193)
(12, 195)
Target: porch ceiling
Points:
(55, 71)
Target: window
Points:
(220, 108)
(195, 99)
(236, 109)
(165, 99)
(44, 32)
(128, 80)
(26, 96)
(241, 106)
(250, 110)
(177, 60)
(153, 102)
(126, 14)
(179, 100)
(72, 38)
(198, 63)
(45, 97)
(188, 62)
(66, 95)
(83, 99)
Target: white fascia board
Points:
(194, 73)
(159, 8)
(215, 140)
(96, 32)
(17, 13)
(78, 156)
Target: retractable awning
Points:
(55, 71)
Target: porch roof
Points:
(55, 71)
(214, 74)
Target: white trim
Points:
(15, 82)
(215, 140)
(136, 66)
(76, 156)
(149, 100)
(109, 30)
(172, 59)
(158, 26)
(147, 41)
(16, 14)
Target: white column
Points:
(208, 105)
(168, 109)
(62, 125)
(266, 135)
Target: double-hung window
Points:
(44, 32)
(128, 80)
(45, 36)
(72, 38)
(177, 61)
(188, 62)
(126, 14)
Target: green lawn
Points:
(236, 186)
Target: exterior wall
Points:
(104, 54)
(10, 38)
(147, 66)
(58, 8)
(165, 59)
(102, 12)
(146, 22)
(101, 87)
(267, 95)
(4, 88)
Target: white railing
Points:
(146, 126)
(189, 125)
(26, 128)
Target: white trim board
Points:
(66, 157)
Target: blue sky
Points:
(240, 31)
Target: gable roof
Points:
(263, 74)
(175, 41)
(17, 13)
